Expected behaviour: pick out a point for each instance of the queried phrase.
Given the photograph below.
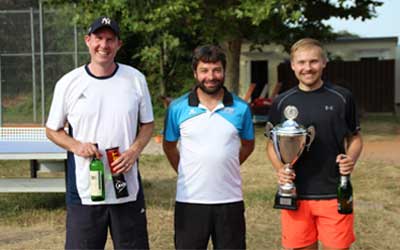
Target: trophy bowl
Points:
(289, 140)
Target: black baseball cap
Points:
(104, 22)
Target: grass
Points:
(37, 221)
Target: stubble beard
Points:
(211, 91)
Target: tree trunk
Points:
(232, 49)
(163, 62)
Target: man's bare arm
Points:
(172, 153)
(347, 162)
(283, 175)
(62, 139)
(245, 150)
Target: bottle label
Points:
(95, 183)
(120, 186)
(344, 179)
(112, 155)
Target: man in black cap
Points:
(104, 22)
(102, 102)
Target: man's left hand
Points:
(125, 161)
(346, 164)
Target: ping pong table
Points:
(32, 144)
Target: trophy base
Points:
(285, 202)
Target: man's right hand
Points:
(285, 175)
(62, 139)
(85, 149)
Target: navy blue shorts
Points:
(87, 226)
(196, 223)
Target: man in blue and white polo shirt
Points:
(216, 135)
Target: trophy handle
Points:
(273, 137)
(311, 136)
(268, 128)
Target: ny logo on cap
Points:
(106, 20)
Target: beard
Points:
(213, 90)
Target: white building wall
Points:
(274, 54)
(348, 50)
(357, 49)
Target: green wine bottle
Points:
(345, 195)
(97, 190)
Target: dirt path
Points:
(154, 147)
(382, 150)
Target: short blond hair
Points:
(307, 43)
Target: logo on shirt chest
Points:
(329, 108)
(192, 111)
(228, 110)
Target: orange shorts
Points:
(316, 220)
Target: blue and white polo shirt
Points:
(210, 141)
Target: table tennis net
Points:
(23, 134)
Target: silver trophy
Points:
(289, 140)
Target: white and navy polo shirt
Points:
(210, 141)
(102, 110)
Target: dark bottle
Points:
(345, 195)
(97, 190)
(120, 185)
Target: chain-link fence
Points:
(37, 46)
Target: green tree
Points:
(169, 29)
(158, 36)
(231, 22)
